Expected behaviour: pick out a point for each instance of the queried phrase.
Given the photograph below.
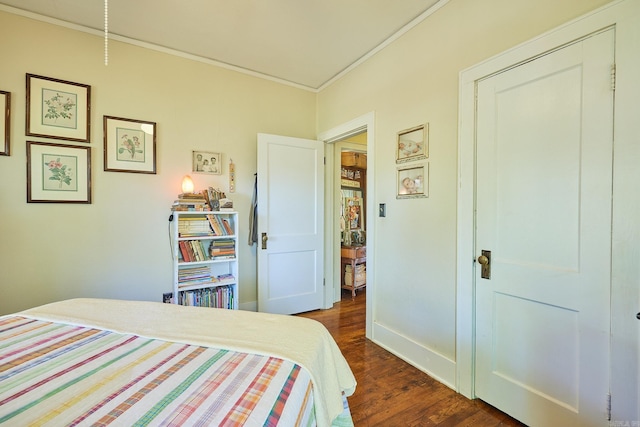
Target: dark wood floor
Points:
(391, 392)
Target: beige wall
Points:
(118, 246)
(413, 81)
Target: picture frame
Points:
(58, 109)
(206, 162)
(413, 144)
(413, 182)
(129, 145)
(58, 173)
(354, 212)
(5, 123)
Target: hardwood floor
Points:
(391, 392)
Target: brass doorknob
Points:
(483, 260)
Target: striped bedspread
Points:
(61, 374)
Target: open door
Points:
(290, 224)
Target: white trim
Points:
(424, 15)
(366, 123)
(197, 58)
(624, 14)
(151, 46)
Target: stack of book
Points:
(190, 202)
(194, 276)
(220, 297)
(222, 249)
(192, 251)
(194, 226)
(220, 226)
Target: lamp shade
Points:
(187, 184)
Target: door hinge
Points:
(609, 407)
(613, 77)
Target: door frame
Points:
(364, 123)
(624, 15)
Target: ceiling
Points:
(305, 43)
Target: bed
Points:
(99, 362)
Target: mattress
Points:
(98, 362)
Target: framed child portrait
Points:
(413, 182)
(413, 144)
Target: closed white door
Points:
(290, 224)
(543, 199)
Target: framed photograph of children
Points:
(413, 182)
(413, 144)
(129, 145)
(206, 162)
(5, 120)
(58, 173)
(58, 109)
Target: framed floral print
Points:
(58, 109)
(129, 145)
(58, 173)
(5, 134)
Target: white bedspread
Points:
(300, 340)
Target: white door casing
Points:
(291, 217)
(543, 199)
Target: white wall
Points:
(118, 246)
(413, 81)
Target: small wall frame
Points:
(129, 145)
(58, 109)
(58, 173)
(413, 144)
(5, 123)
(206, 162)
(413, 182)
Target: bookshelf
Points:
(205, 258)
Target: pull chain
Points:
(106, 32)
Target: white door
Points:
(290, 224)
(544, 177)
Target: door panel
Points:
(291, 216)
(544, 150)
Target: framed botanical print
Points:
(5, 120)
(129, 145)
(58, 173)
(58, 109)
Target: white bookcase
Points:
(205, 258)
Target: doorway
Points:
(351, 154)
(363, 125)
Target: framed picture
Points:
(58, 109)
(413, 144)
(354, 213)
(413, 182)
(206, 162)
(129, 145)
(58, 173)
(5, 107)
